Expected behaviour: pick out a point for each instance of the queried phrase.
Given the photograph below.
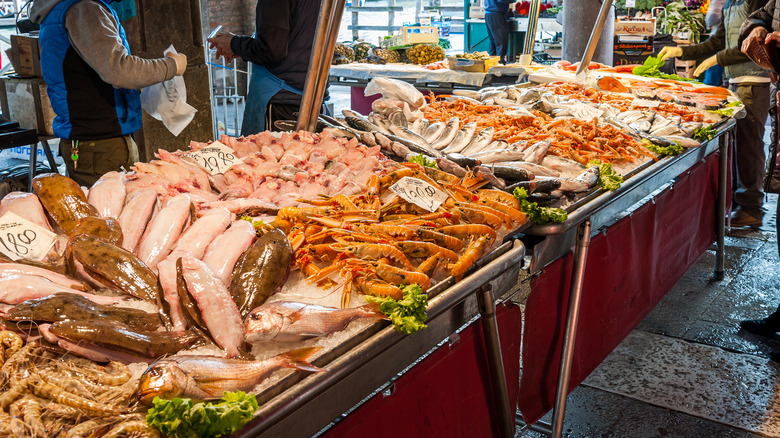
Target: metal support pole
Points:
(570, 332)
(724, 146)
(319, 63)
(594, 36)
(530, 33)
(487, 310)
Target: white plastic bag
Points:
(397, 90)
(167, 102)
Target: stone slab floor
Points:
(687, 370)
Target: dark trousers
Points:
(97, 157)
(498, 34)
(750, 157)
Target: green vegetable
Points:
(679, 19)
(422, 161)
(180, 418)
(676, 149)
(705, 133)
(608, 178)
(407, 314)
(730, 109)
(651, 69)
(445, 44)
(539, 215)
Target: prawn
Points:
(469, 257)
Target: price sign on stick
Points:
(215, 158)
(630, 3)
(22, 239)
(419, 193)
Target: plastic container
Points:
(411, 35)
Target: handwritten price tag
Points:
(22, 239)
(215, 158)
(419, 193)
(630, 3)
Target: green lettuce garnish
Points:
(422, 161)
(181, 418)
(651, 69)
(539, 215)
(705, 133)
(729, 110)
(407, 314)
(657, 149)
(608, 178)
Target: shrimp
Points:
(395, 175)
(30, 410)
(481, 216)
(392, 230)
(464, 231)
(374, 251)
(401, 277)
(42, 389)
(10, 343)
(378, 288)
(426, 249)
(429, 265)
(470, 256)
(440, 239)
(135, 428)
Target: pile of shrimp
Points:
(578, 140)
(43, 394)
(377, 242)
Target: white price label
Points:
(419, 193)
(630, 3)
(215, 158)
(22, 239)
(644, 103)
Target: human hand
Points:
(221, 42)
(181, 62)
(707, 63)
(772, 38)
(669, 52)
(758, 33)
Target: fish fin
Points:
(371, 310)
(297, 315)
(298, 359)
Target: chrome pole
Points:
(487, 310)
(530, 33)
(724, 145)
(570, 332)
(307, 116)
(594, 36)
(322, 77)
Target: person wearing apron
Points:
(279, 53)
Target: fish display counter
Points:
(271, 283)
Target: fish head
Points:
(162, 379)
(263, 324)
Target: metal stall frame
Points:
(309, 405)
(601, 209)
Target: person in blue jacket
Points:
(497, 22)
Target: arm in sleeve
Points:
(761, 17)
(269, 46)
(713, 45)
(95, 36)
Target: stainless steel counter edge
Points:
(295, 399)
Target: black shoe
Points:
(764, 327)
(740, 219)
(774, 356)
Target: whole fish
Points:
(463, 160)
(542, 184)
(286, 321)
(25, 205)
(208, 377)
(498, 155)
(223, 252)
(90, 351)
(106, 228)
(532, 168)
(341, 132)
(548, 185)
(420, 125)
(361, 124)
(479, 142)
(15, 289)
(413, 146)
(410, 135)
(433, 132)
(368, 138)
(397, 118)
(467, 93)
(562, 165)
(216, 308)
(462, 139)
(63, 199)
(452, 167)
(199, 235)
(112, 266)
(261, 270)
(536, 152)
(108, 195)
(684, 141)
(590, 176)
(115, 336)
(8, 269)
(62, 306)
(164, 230)
(135, 216)
(510, 173)
(171, 311)
(380, 122)
(448, 134)
(400, 150)
(485, 172)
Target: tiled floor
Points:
(687, 370)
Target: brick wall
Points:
(234, 16)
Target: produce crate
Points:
(684, 68)
(411, 35)
(472, 65)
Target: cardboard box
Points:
(472, 65)
(27, 54)
(626, 27)
(24, 100)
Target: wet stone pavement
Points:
(687, 370)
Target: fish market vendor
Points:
(497, 23)
(93, 83)
(280, 52)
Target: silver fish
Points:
(368, 139)
(432, 132)
(684, 141)
(640, 125)
(412, 145)
(492, 94)
(563, 165)
(446, 137)
(590, 176)
(529, 96)
(381, 123)
(504, 103)
(361, 124)
(341, 132)
(463, 98)
(666, 131)
(533, 168)
(452, 167)
(467, 93)
(286, 321)
(513, 94)
(400, 150)
(479, 142)
(397, 118)
(498, 155)
(419, 126)
(536, 152)
(462, 139)
(410, 135)
(488, 174)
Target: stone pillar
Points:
(157, 25)
(579, 16)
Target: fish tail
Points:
(370, 310)
(298, 359)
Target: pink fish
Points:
(164, 231)
(15, 289)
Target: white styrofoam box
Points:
(23, 153)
